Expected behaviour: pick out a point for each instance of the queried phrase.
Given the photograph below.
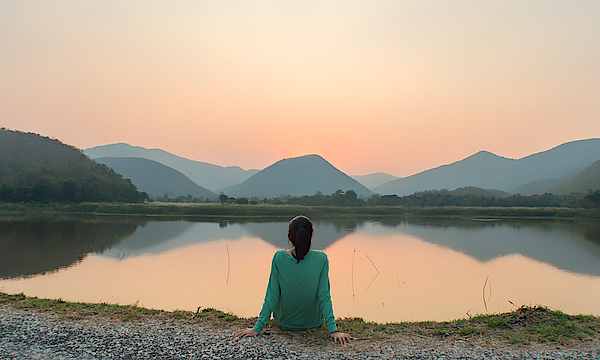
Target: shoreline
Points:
(526, 329)
(289, 211)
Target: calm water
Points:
(381, 271)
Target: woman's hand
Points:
(343, 338)
(246, 333)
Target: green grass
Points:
(525, 326)
(287, 211)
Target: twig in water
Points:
(372, 263)
(124, 254)
(228, 266)
(353, 254)
(398, 280)
(484, 284)
(375, 269)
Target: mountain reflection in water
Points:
(33, 247)
(567, 246)
(426, 269)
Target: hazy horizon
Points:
(397, 87)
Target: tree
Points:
(223, 198)
(241, 201)
(593, 197)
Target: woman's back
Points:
(300, 291)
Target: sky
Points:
(372, 86)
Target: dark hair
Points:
(300, 232)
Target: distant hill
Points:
(207, 175)
(490, 171)
(471, 190)
(303, 175)
(544, 186)
(155, 178)
(373, 180)
(34, 168)
(588, 179)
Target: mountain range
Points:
(558, 170)
(155, 178)
(490, 171)
(213, 177)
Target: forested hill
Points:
(34, 168)
(489, 171)
(588, 179)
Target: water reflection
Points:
(31, 247)
(380, 270)
(567, 246)
(36, 246)
(160, 236)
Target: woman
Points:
(298, 290)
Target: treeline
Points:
(338, 198)
(442, 198)
(178, 199)
(39, 169)
(436, 198)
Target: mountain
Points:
(544, 186)
(155, 178)
(373, 180)
(588, 179)
(35, 168)
(210, 176)
(303, 175)
(489, 171)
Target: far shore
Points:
(287, 211)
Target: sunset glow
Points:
(391, 86)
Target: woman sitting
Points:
(298, 291)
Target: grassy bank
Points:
(287, 211)
(525, 325)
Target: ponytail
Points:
(301, 244)
(300, 234)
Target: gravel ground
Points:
(42, 335)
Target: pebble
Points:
(39, 335)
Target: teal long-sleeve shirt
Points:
(298, 293)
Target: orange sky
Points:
(391, 86)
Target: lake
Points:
(381, 270)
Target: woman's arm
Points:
(326, 305)
(271, 297)
(324, 297)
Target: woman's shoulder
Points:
(279, 253)
(318, 254)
